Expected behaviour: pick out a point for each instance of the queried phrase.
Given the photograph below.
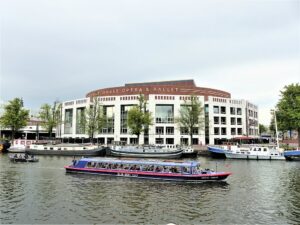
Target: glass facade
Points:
(124, 113)
(109, 115)
(80, 120)
(68, 121)
(164, 113)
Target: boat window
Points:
(265, 149)
(159, 169)
(166, 169)
(45, 148)
(254, 149)
(84, 147)
(185, 169)
(194, 170)
(259, 149)
(51, 148)
(133, 167)
(175, 169)
(272, 154)
(91, 164)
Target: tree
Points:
(94, 119)
(288, 109)
(191, 116)
(139, 118)
(14, 116)
(50, 116)
(262, 129)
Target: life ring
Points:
(1, 147)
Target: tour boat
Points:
(65, 150)
(145, 152)
(255, 152)
(164, 170)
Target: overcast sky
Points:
(62, 49)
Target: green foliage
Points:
(262, 129)
(139, 118)
(191, 116)
(94, 119)
(14, 116)
(288, 109)
(50, 116)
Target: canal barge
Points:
(65, 150)
(145, 152)
(162, 170)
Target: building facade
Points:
(224, 117)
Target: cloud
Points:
(64, 49)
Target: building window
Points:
(80, 120)
(184, 131)
(223, 110)
(110, 120)
(239, 130)
(216, 109)
(159, 130)
(239, 121)
(232, 110)
(164, 113)
(223, 120)
(170, 141)
(159, 141)
(223, 131)
(169, 130)
(123, 140)
(232, 121)
(216, 130)
(216, 120)
(196, 130)
(68, 121)
(195, 141)
(124, 113)
(206, 109)
(239, 111)
(133, 141)
(233, 131)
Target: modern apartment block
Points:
(224, 117)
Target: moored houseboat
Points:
(164, 170)
(256, 152)
(66, 150)
(145, 152)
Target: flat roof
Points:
(142, 162)
(171, 82)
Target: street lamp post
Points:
(276, 129)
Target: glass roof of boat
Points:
(143, 162)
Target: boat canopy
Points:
(143, 162)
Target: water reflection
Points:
(257, 192)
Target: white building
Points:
(225, 118)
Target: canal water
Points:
(260, 192)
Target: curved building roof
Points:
(177, 87)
